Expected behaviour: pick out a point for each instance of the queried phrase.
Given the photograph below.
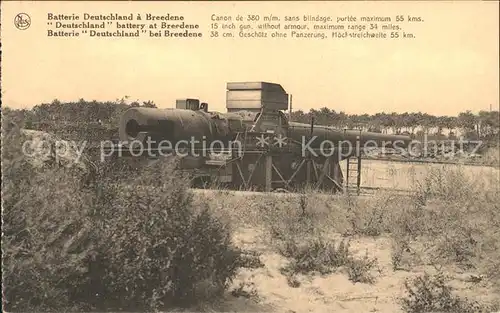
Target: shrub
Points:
(246, 290)
(455, 217)
(87, 243)
(39, 236)
(369, 217)
(432, 294)
(400, 248)
(450, 184)
(359, 270)
(181, 245)
(316, 255)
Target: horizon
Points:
(306, 111)
(450, 67)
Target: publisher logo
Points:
(22, 21)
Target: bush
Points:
(453, 218)
(318, 255)
(359, 270)
(78, 242)
(432, 294)
(451, 184)
(369, 217)
(315, 256)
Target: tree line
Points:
(75, 113)
(482, 124)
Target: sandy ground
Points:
(329, 293)
(270, 291)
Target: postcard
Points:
(250, 156)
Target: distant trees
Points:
(81, 111)
(82, 120)
(483, 124)
(146, 104)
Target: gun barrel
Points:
(336, 137)
(175, 125)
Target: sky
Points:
(451, 65)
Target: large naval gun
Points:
(254, 144)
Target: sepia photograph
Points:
(250, 156)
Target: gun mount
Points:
(262, 148)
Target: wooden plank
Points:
(269, 172)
